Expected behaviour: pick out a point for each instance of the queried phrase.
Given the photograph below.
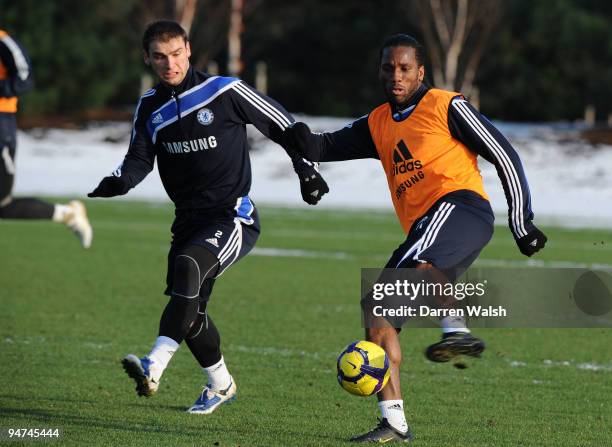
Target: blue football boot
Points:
(210, 400)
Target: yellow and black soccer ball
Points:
(363, 368)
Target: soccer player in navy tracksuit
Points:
(195, 125)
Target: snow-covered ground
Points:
(570, 180)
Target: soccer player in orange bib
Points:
(428, 141)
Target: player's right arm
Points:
(352, 142)
(138, 161)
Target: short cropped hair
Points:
(404, 40)
(163, 30)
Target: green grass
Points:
(68, 316)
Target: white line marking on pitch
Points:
(297, 253)
(535, 263)
(587, 366)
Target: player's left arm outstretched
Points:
(478, 134)
(270, 118)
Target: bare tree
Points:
(456, 33)
(212, 25)
(184, 11)
(209, 31)
(234, 60)
(219, 25)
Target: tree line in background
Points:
(520, 60)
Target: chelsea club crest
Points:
(205, 116)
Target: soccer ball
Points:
(363, 368)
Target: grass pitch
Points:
(68, 316)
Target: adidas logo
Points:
(213, 241)
(422, 222)
(403, 160)
(395, 407)
(534, 243)
(401, 153)
(315, 193)
(158, 119)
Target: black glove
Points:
(298, 137)
(532, 242)
(312, 184)
(110, 187)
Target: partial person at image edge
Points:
(15, 79)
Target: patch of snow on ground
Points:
(570, 180)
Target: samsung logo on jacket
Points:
(185, 147)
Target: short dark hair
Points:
(163, 30)
(403, 40)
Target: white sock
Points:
(163, 350)
(393, 412)
(218, 376)
(453, 324)
(61, 212)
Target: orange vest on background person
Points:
(421, 159)
(7, 105)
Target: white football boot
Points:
(77, 221)
(143, 372)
